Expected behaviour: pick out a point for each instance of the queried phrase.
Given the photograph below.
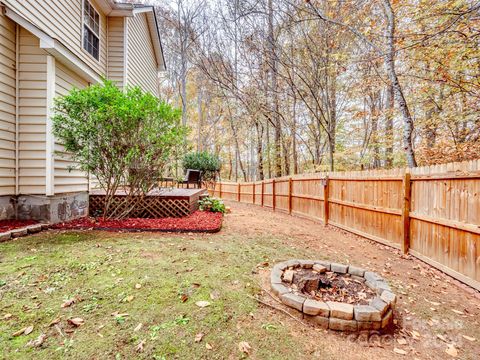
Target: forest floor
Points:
(103, 295)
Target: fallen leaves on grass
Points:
(208, 346)
(138, 327)
(244, 347)
(140, 345)
(199, 337)
(70, 302)
(7, 316)
(402, 341)
(24, 331)
(76, 321)
(138, 286)
(38, 341)
(202, 304)
(54, 321)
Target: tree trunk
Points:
(390, 105)
(398, 91)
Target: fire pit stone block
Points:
(314, 307)
(319, 268)
(279, 289)
(288, 276)
(366, 313)
(306, 264)
(340, 310)
(324, 263)
(369, 325)
(356, 271)
(339, 268)
(293, 300)
(319, 321)
(390, 298)
(343, 325)
(379, 304)
(387, 318)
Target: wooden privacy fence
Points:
(430, 212)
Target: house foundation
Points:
(51, 209)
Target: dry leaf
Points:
(402, 341)
(458, 312)
(184, 297)
(202, 304)
(7, 316)
(19, 332)
(451, 350)
(139, 347)
(441, 337)
(128, 298)
(138, 286)
(199, 337)
(68, 303)
(54, 321)
(38, 341)
(244, 347)
(469, 338)
(76, 321)
(138, 327)
(208, 346)
(215, 294)
(28, 330)
(399, 351)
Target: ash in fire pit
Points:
(335, 296)
(331, 286)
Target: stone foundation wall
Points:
(51, 209)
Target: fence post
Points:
(273, 195)
(238, 190)
(326, 209)
(220, 191)
(253, 193)
(290, 183)
(407, 193)
(263, 189)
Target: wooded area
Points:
(292, 86)
(430, 212)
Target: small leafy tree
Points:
(123, 138)
(208, 164)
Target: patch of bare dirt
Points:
(437, 317)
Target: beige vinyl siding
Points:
(32, 114)
(116, 50)
(7, 105)
(66, 177)
(62, 20)
(142, 65)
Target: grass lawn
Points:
(103, 269)
(156, 279)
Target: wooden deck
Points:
(159, 203)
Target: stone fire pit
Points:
(334, 296)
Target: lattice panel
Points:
(152, 207)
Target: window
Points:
(91, 29)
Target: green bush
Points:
(123, 138)
(212, 204)
(209, 164)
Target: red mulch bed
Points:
(7, 225)
(199, 221)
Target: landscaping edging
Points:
(333, 315)
(23, 231)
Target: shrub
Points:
(212, 204)
(123, 138)
(209, 164)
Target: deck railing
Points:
(432, 213)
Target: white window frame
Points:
(89, 28)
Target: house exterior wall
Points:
(32, 114)
(142, 67)
(7, 105)
(62, 19)
(66, 178)
(116, 50)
